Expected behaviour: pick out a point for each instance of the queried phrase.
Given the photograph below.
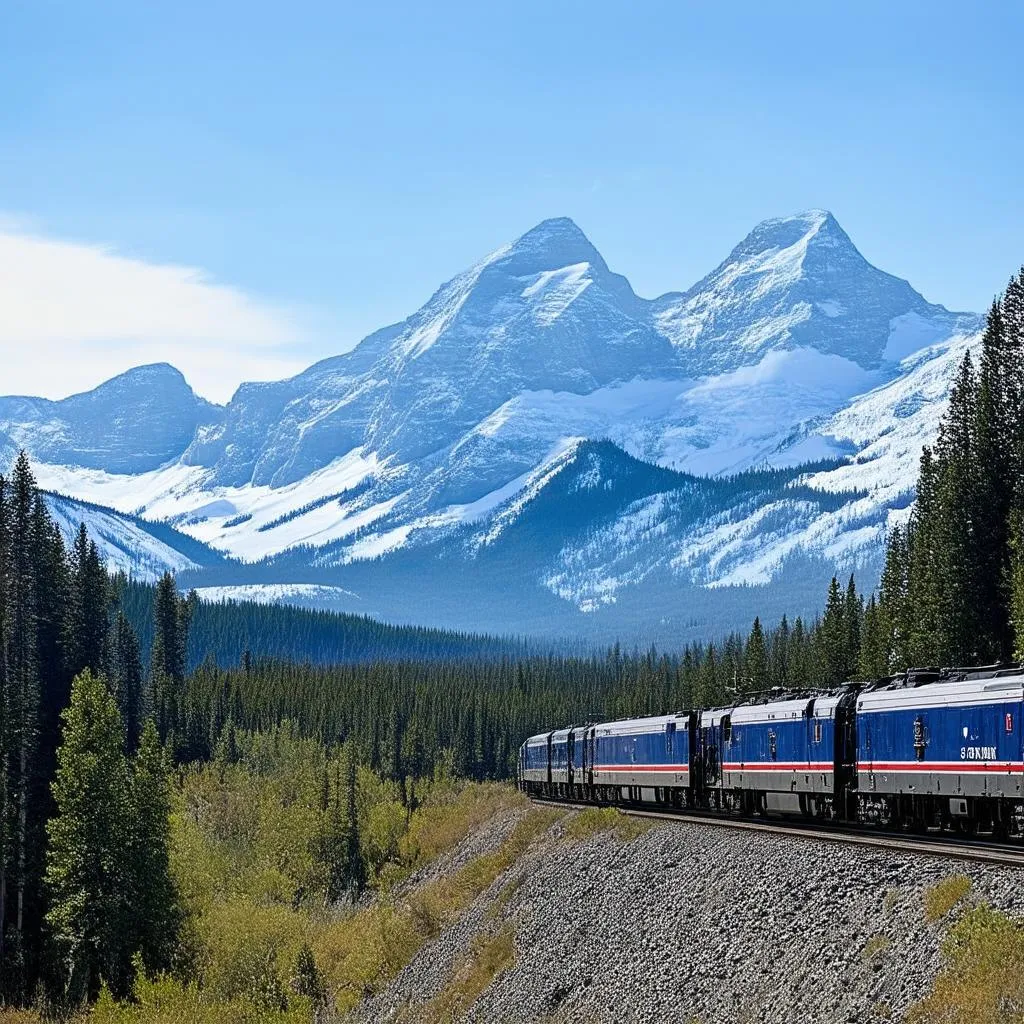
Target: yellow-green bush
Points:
(168, 1001)
(942, 897)
(592, 821)
(489, 956)
(245, 841)
(983, 981)
(362, 952)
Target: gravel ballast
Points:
(698, 923)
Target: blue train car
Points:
(535, 764)
(562, 760)
(781, 756)
(941, 751)
(643, 758)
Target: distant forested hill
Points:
(225, 632)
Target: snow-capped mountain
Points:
(799, 282)
(136, 422)
(424, 454)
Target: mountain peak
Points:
(552, 244)
(812, 227)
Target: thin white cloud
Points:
(72, 315)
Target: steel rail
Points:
(949, 847)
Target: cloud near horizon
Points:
(72, 315)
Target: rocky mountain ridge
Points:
(443, 431)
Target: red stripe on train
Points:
(950, 767)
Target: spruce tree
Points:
(5, 710)
(22, 712)
(833, 637)
(893, 611)
(1017, 583)
(126, 679)
(155, 913)
(168, 660)
(89, 864)
(755, 661)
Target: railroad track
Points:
(930, 845)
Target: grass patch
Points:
(593, 821)
(942, 897)
(447, 820)
(373, 945)
(508, 890)
(875, 946)
(983, 980)
(489, 957)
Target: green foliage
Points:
(263, 929)
(942, 897)
(592, 821)
(1017, 583)
(983, 981)
(952, 585)
(87, 873)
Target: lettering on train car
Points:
(977, 753)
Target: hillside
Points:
(600, 922)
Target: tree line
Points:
(952, 591)
(84, 799)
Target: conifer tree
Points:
(168, 661)
(5, 706)
(1017, 583)
(126, 678)
(833, 636)
(155, 912)
(893, 612)
(23, 692)
(756, 660)
(88, 870)
(86, 625)
(779, 654)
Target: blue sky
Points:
(323, 167)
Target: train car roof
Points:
(779, 710)
(712, 716)
(960, 692)
(630, 726)
(538, 740)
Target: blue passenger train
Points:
(926, 749)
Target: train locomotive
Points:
(928, 749)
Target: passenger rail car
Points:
(927, 749)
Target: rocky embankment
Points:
(603, 920)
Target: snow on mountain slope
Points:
(126, 544)
(884, 430)
(795, 282)
(247, 522)
(448, 431)
(279, 593)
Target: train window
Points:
(773, 746)
(726, 728)
(919, 738)
(817, 731)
